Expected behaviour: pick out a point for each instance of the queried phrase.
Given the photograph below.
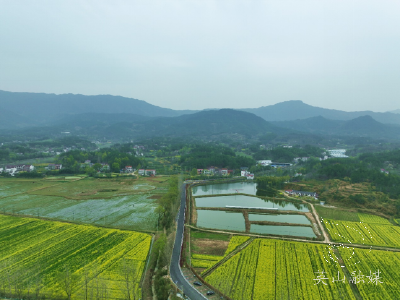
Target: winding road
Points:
(175, 269)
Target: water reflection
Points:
(225, 188)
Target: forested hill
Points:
(202, 125)
(41, 108)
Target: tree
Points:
(129, 272)
(67, 281)
(115, 167)
(97, 166)
(193, 172)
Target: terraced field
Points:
(40, 257)
(273, 269)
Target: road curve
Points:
(175, 269)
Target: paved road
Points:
(175, 269)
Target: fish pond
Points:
(249, 202)
(294, 219)
(235, 221)
(222, 220)
(225, 188)
(299, 231)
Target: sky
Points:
(206, 54)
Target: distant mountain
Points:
(43, 108)
(98, 119)
(364, 126)
(9, 119)
(202, 124)
(296, 109)
(317, 125)
(397, 111)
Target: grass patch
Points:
(209, 235)
(337, 214)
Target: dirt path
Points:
(321, 227)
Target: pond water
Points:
(223, 220)
(248, 201)
(282, 230)
(233, 221)
(225, 188)
(296, 219)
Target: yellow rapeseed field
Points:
(56, 259)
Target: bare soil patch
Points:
(211, 247)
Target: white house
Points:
(337, 153)
(150, 172)
(11, 171)
(264, 163)
(250, 176)
(244, 173)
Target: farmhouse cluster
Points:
(302, 194)
(15, 169)
(214, 171)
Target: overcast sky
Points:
(206, 54)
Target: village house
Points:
(297, 159)
(280, 165)
(250, 176)
(54, 167)
(384, 171)
(150, 172)
(264, 162)
(105, 167)
(11, 171)
(18, 168)
(244, 173)
(302, 194)
(200, 171)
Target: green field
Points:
(119, 203)
(373, 219)
(336, 214)
(367, 262)
(273, 269)
(39, 256)
(363, 233)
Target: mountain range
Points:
(119, 117)
(297, 109)
(364, 126)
